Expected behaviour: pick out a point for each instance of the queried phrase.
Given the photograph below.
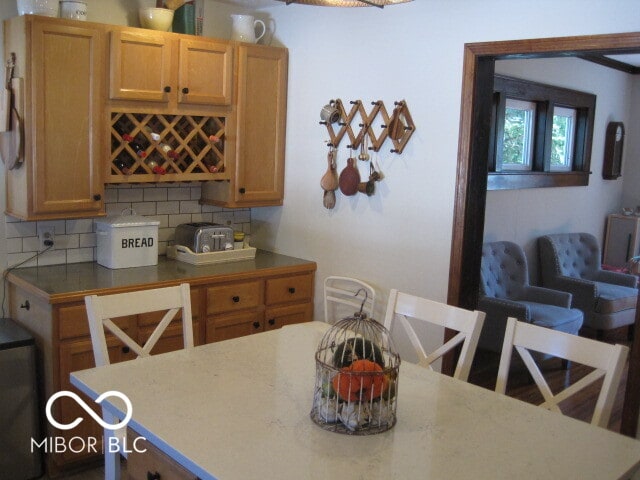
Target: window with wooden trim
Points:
(541, 135)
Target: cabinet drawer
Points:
(237, 296)
(73, 321)
(289, 289)
(288, 315)
(152, 463)
(233, 326)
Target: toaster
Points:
(203, 237)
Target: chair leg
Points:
(566, 364)
(600, 335)
(631, 332)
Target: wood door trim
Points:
(471, 178)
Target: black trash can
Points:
(19, 419)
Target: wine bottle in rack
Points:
(154, 136)
(135, 145)
(168, 151)
(155, 167)
(124, 165)
(212, 165)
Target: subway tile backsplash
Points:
(75, 240)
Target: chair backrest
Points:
(606, 359)
(102, 309)
(503, 270)
(343, 296)
(570, 254)
(467, 323)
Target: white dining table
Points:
(239, 410)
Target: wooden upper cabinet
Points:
(140, 66)
(205, 72)
(62, 66)
(143, 66)
(261, 111)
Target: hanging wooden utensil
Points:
(349, 178)
(329, 181)
(396, 125)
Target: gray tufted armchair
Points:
(505, 292)
(571, 262)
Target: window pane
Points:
(517, 150)
(562, 138)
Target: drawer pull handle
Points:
(26, 305)
(153, 476)
(256, 324)
(272, 321)
(292, 290)
(97, 197)
(235, 299)
(167, 89)
(185, 90)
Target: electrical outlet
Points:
(46, 236)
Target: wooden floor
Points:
(521, 386)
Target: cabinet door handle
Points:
(97, 197)
(241, 190)
(272, 321)
(185, 90)
(167, 89)
(235, 299)
(153, 476)
(256, 325)
(26, 305)
(292, 290)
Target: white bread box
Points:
(125, 241)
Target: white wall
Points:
(401, 236)
(521, 216)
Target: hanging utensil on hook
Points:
(329, 181)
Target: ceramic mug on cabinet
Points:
(244, 28)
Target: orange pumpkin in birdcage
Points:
(356, 378)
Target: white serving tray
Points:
(185, 254)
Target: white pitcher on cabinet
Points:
(244, 28)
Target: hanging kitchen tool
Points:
(329, 181)
(11, 138)
(5, 95)
(349, 178)
(364, 154)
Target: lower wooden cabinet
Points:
(221, 309)
(146, 462)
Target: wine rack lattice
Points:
(155, 148)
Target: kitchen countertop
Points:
(58, 283)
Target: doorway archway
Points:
(471, 181)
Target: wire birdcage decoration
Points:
(356, 384)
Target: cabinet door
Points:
(68, 69)
(205, 72)
(262, 105)
(140, 66)
(622, 241)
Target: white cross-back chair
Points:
(341, 298)
(467, 323)
(102, 309)
(607, 360)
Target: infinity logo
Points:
(87, 408)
